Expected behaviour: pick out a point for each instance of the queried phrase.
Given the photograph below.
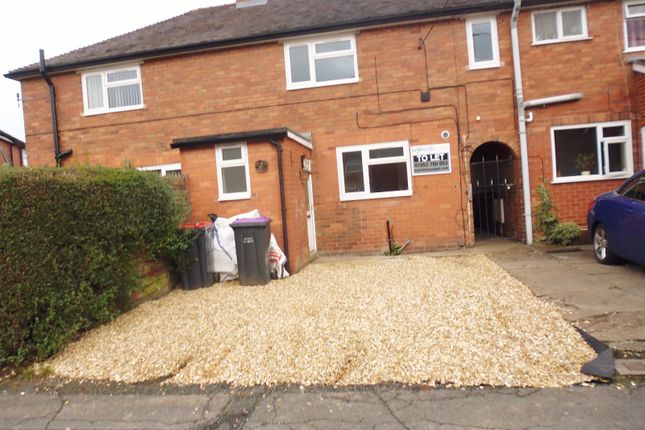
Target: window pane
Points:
(353, 172)
(616, 157)
(482, 41)
(576, 152)
(299, 58)
(329, 69)
(122, 75)
(637, 191)
(234, 179)
(126, 95)
(94, 91)
(342, 45)
(546, 26)
(635, 32)
(636, 9)
(388, 177)
(232, 153)
(572, 23)
(174, 173)
(617, 131)
(386, 152)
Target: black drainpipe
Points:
(52, 104)
(283, 204)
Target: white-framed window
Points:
(592, 151)
(374, 171)
(173, 169)
(634, 12)
(560, 25)
(483, 46)
(112, 90)
(233, 180)
(321, 62)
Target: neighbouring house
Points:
(440, 116)
(12, 150)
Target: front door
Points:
(311, 217)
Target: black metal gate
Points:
(493, 197)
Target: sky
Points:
(64, 25)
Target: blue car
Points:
(616, 222)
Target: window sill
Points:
(388, 195)
(484, 66)
(106, 111)
(590, 178)
(551, 42)
(245, 196)
(636, 49)
(292, 87)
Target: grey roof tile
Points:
(228, 25)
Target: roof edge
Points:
(263, 37)
(215, 139)
(13, 140)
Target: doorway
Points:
(495, 206)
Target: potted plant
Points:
(585, 162)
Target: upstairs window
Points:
(634, 25)
(233, 181)
(483, 48)
(374, 171)
(112, 90)
(561, 25)
(317, 63)
(592, 151)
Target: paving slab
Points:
(606, 301)
(23, 411)
(630, 367)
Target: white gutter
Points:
(551, 100)
(521, 120)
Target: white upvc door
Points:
(311, 216)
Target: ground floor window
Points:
(591, 151)
(233, 180)
(164, 169)
(374, 171)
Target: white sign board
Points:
(430, 159)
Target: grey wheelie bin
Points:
(196, 275)
(252, 241)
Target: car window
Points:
(636, 190)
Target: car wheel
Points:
(601, 247)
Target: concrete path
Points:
(606, 301)
(600, 407)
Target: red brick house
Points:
(11, 150)
(439, 116)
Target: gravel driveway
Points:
(411, 319)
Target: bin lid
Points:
(251, 222)
(200, 225)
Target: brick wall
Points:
(8, 151)
(244, 89)
(201, 169)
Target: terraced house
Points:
(440, 116)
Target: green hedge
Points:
(68, 241)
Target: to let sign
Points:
(430, 159)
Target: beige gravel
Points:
(412, 319)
